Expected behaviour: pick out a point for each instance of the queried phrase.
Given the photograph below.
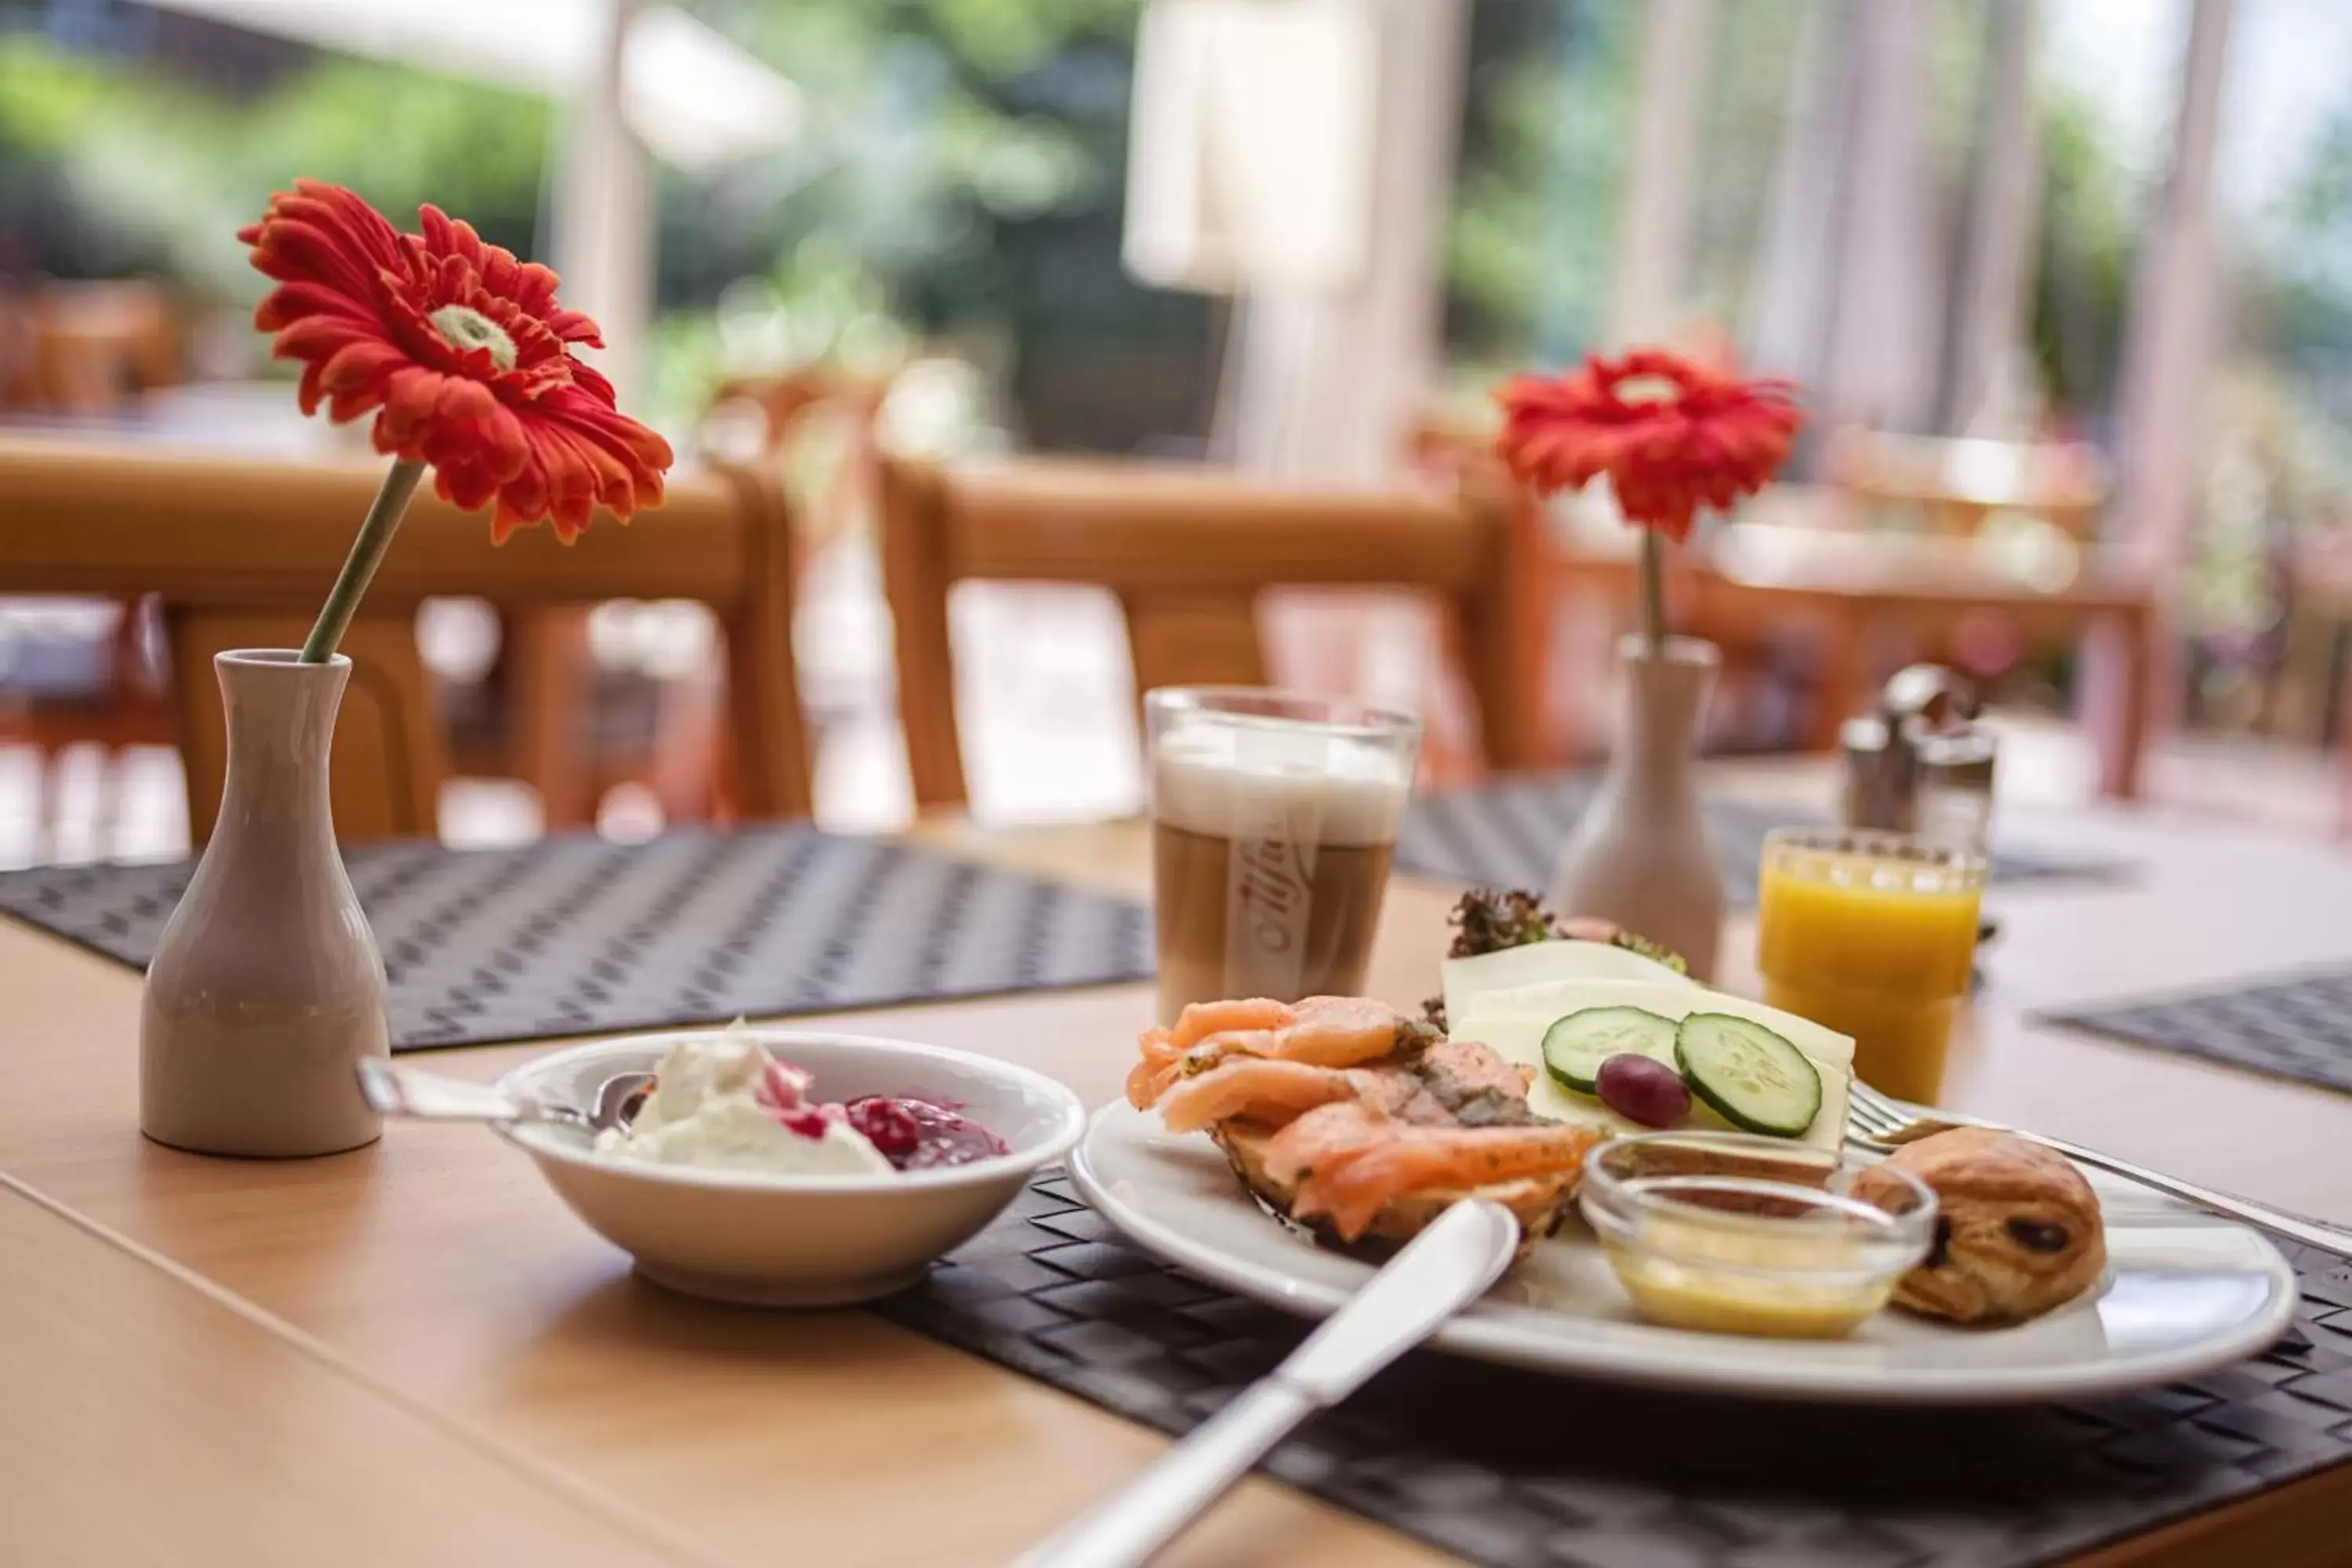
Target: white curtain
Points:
(2168, 343)
(604, 239)
(1299, 154)
(1851, 281)
(1653, 263)
(2167, 360)
(1250, 161)
(1992, 383)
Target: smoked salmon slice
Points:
(1163, 1049)
(1347, 1031)
(1202, 1019)
(1156, 1069)
(1347, 1161)
(1276, 1093)
(1260, 1091)
(1321, 1031)
(1347, 1115)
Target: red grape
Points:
(1642, 1089)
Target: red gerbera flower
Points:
(461, 351)
(1670, 435)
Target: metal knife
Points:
(1439, 1272)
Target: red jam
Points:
(920, 1135)
(808, 1120)
(889, 1126)
(912, 1134)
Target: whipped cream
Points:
(728, 1105)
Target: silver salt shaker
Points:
(1917, 765)
(1955, 798)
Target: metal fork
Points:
(1875, 1121)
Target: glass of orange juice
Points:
(1875, 936)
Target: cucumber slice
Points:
(1747, 1075)
(1575, 1046)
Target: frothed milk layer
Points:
(1216, 779)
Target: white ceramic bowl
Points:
(800, 1241)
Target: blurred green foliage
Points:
(968, 159)
(2300, 312)
(963, 159)
(1534, 224)
(2092, 210)
(958, 185)
(166, 172)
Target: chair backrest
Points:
(1187, 550)
(95, 344)
(241, 553)
(783, 410)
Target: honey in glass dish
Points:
(1874, 935)
(1728, 1233)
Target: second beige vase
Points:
(267, 988)
(1640, 854)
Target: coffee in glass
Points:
(1274, 820)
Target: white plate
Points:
(2185, 1292)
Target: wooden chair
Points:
(1187, 552)
(74, 679)
(96, 345)
(241, 553)
(785, 406)
(2322, 587)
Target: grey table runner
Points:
(1517, 1470)
(576, 934)
(579, 935)
(1507, 834)
(2295, 1027)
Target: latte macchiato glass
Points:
(1274, 817)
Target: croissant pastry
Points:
(2019, 1232)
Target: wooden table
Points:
(414, 1351)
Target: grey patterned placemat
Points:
(580, 935)
(1516, 1470)
(1508, 833)
(2296, 1026)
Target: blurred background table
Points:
(1868, 605)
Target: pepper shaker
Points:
(1916, 764)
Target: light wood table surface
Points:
(425, 1311)
(212, 1426)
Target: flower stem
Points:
(359, 567)
(1654, 592)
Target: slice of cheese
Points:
(1470, 980)
(1513, 1023)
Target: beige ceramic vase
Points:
(1640, 854)
(267, 986)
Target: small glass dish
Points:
(1731, 1234)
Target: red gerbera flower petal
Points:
(1670, 435)
(505, 415)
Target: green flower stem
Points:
(359, 567)
(1654, 592)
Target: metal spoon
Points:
(396, 1090)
